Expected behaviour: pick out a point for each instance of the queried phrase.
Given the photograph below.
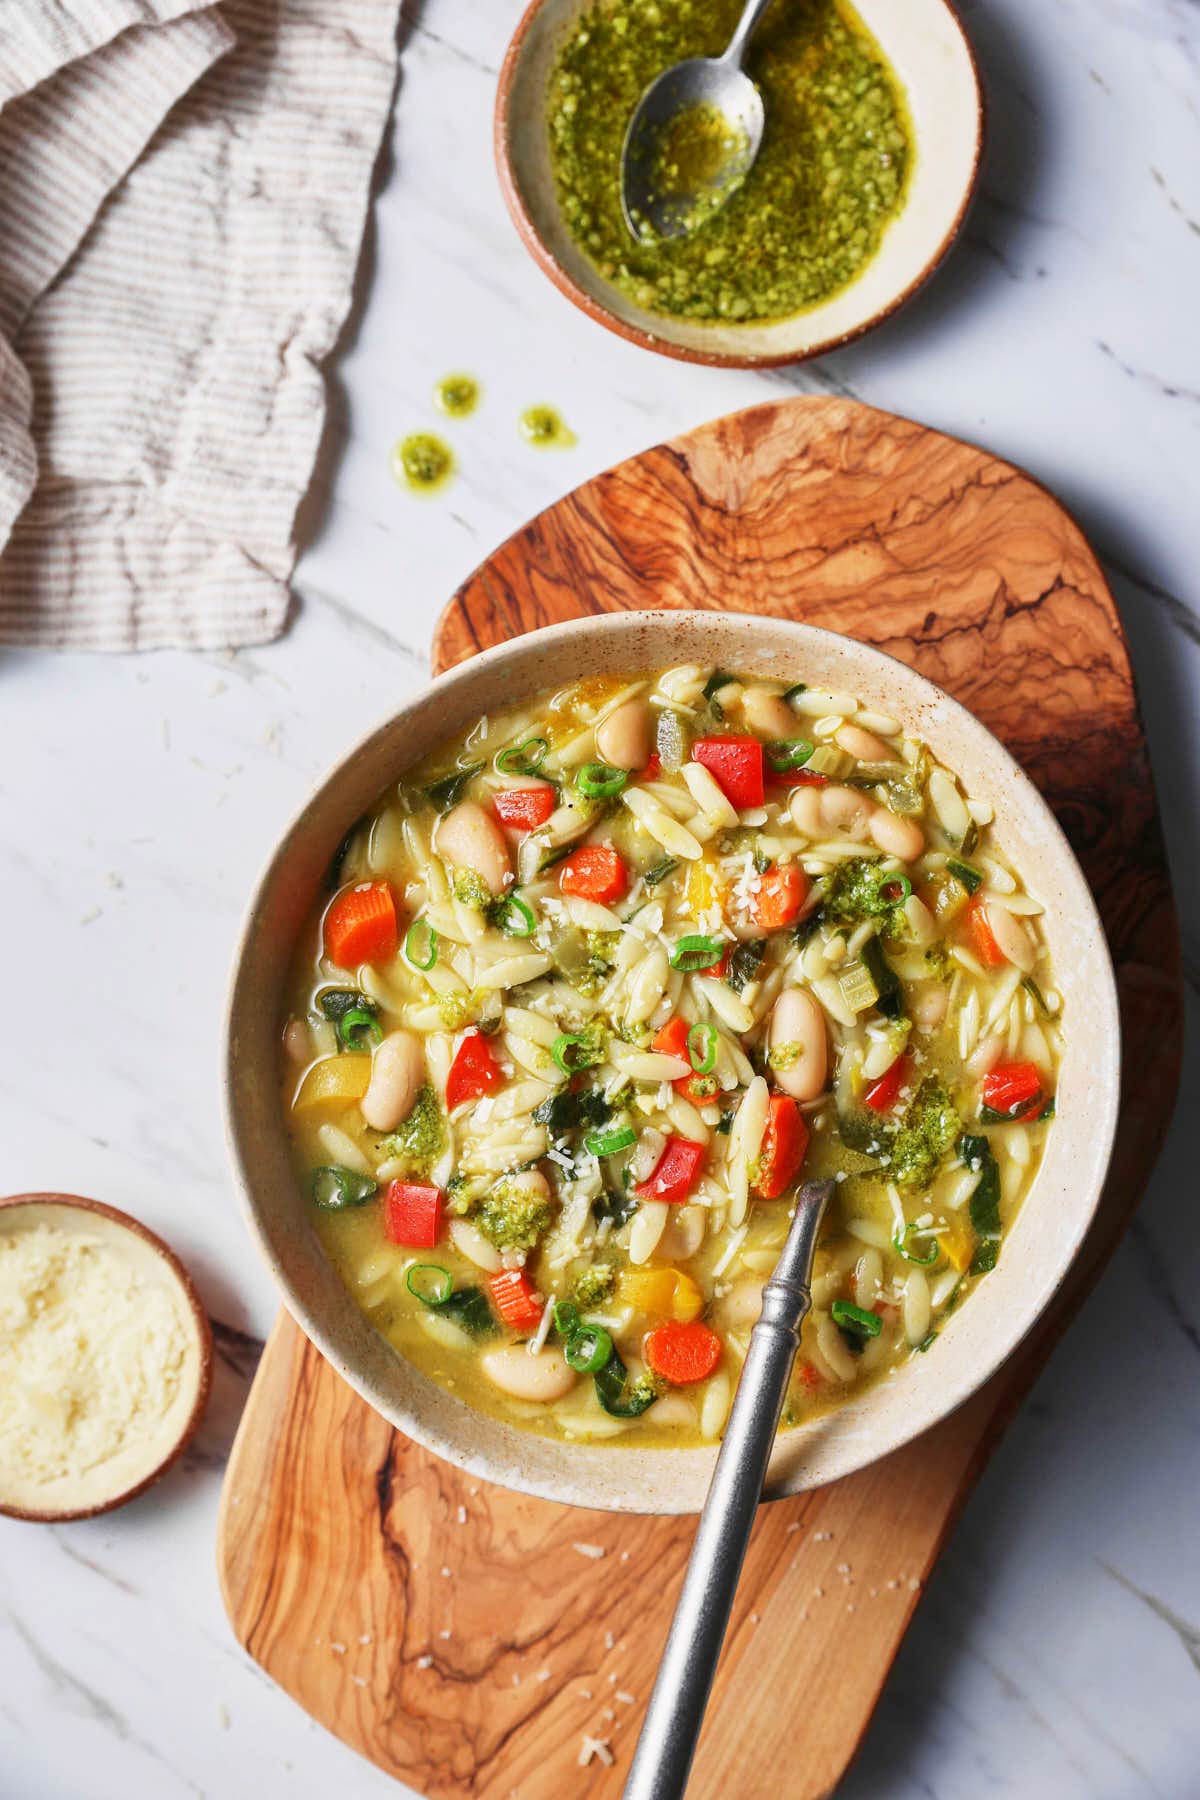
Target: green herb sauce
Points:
(542, 427)
(829, 178)
(456, 395)
(422, 462)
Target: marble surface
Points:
(1057, 1652)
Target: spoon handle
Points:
(736, 47)
(676, 1711)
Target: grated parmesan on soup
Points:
(97, 1357)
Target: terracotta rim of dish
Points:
(79, 1202)
(536, 245)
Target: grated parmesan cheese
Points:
(99, 1359)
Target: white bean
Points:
(543, 1377)
(715, 1407)
(805, 809)
(1011, 937)
(624, 738)
(928, 1006)
(397, 1071)
(649, 1223)
(297, 1043)
(471, 839)
(847, 810)
(864, 746)
(896, 836)
(742, 1304)
(767, 713)
(798, 1024)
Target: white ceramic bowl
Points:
(929, 51)
(976, 1339)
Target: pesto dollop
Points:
(812, 211)
(545, 429)
(456, 395)
(422, 462)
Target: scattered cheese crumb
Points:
(223, 1715)
(597, 1747)
(462, 1515)
(609, 1640)
(595, 1551)
(338, 1649)
(624, 1698)
(425, 1662)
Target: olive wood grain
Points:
(456, 1633)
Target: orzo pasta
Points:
(598, 983)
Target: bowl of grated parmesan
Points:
(105, 1357)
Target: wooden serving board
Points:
(458, 1634)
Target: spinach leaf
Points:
(468, 1307)
(620, 1397)
(887, 983)
(976, 1153)
(745, 962)
(614, 1206)
(449, 789)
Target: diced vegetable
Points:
(856, 1319)
(660, 871)
(882, 1095)
(667, 1293)
(736, 764)
(652, 770)
(412, 1214)
(890, 994)
(449, 789)
(473, 1073)
(523, 759)
(683, 1354)
(588, 1349)
(360, 926)
(576, 1050)
(779, 898)
(336, 1078)
(600, 781)
(788, 754)
(334, 1188)
(976, 1153)
(594, 872)
(516, 1300)
(610, 1143)
(353, 1014)
(924, 1258)
(966, 876)
(421, 945)
(523, 809)
(671, 1039)
(430, 1283)
(982, 941)
(676, 1172)
(785, 1141)
(856, 986)
(1013, 1090)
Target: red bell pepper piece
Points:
(675, 1173)
(516, 1300)
(360, 926)
(671, 1040)
(1013, 1088)
(779, 898)
(784, 1144)
(980, 933)
(412, 1214)
(882, 1094)
(474, 1071)
(594, 872)
(652, 770)
(524, 808)
(736, 764)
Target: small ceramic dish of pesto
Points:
(868, 162)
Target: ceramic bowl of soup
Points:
(868, 164)
(570, 972)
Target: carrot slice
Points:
(516, 1300)
(682, 1354)
(982, 941)
(360, 926)
(594, 872)
(779, 898)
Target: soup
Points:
(598, 984)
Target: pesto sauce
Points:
(811, 213)
(422, 462)
(545, 429)
(456, 395)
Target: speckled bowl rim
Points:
(603, 1476)
(204, 1339)
(533, 240)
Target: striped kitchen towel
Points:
(183, 189)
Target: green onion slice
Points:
(588, 1349)
(430, 1282)
(600, 781)
(334, 1188)
(798, 687)
(418, 930)
(702, 1048)
(572, 1052)
(895, 889)
(523, 759)
(660, 871)
(716, 681)
(355, 1020)
(514, 916)
(608, 1143)
(692, 953)
(965, 875)
(855, 1318)
(900, 1245)
(789, 753)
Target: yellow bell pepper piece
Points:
(703, 886)
(668, 1293)
(334, 1080)
(956, 1247)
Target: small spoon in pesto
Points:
(692, 139)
